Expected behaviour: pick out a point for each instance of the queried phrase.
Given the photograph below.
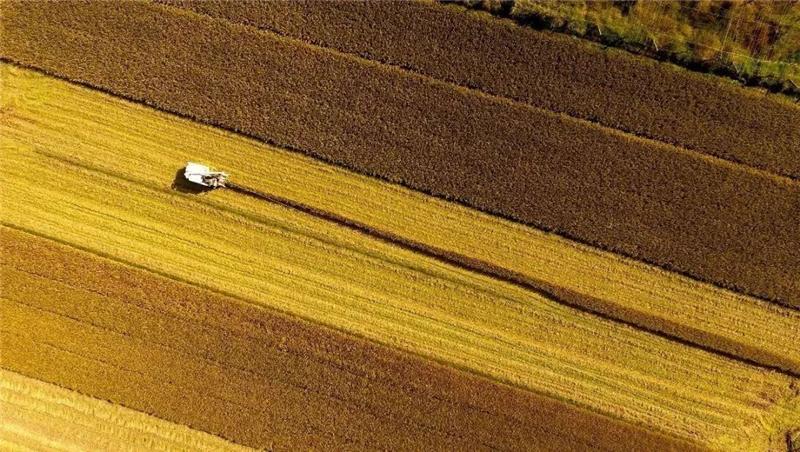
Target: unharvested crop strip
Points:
(118, 203)
(40, 416)
(581, 276)
(716, 223)
(278, 351)
(548, 70)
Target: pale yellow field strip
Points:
(40, 416)
(94, 171)
(636, 292)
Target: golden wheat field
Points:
(314, 305)
(40, 415)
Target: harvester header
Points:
(202, 175)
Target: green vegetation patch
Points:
(757, 43)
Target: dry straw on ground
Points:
(580, 275)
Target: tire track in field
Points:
(720, 225)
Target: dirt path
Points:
(719, 222)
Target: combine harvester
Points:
(202, 175)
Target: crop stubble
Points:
(42, 416)
(261, 378)
(548, 70)
(716, 221)
(72, 172)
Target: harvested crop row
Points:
(42, 416)
(292, 381)
(544, 69)
(717, 222)
(599, 281)
(276, 257)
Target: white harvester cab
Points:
(202, 175)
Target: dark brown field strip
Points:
(544, 69)
(718, 222)
(257, 377)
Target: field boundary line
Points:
(16, 391)
(730, 163)
(59, 349)
(45, 239)
(218, 363)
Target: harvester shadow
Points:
(181, 184)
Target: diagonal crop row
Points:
(289, 382)
(715, 221)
